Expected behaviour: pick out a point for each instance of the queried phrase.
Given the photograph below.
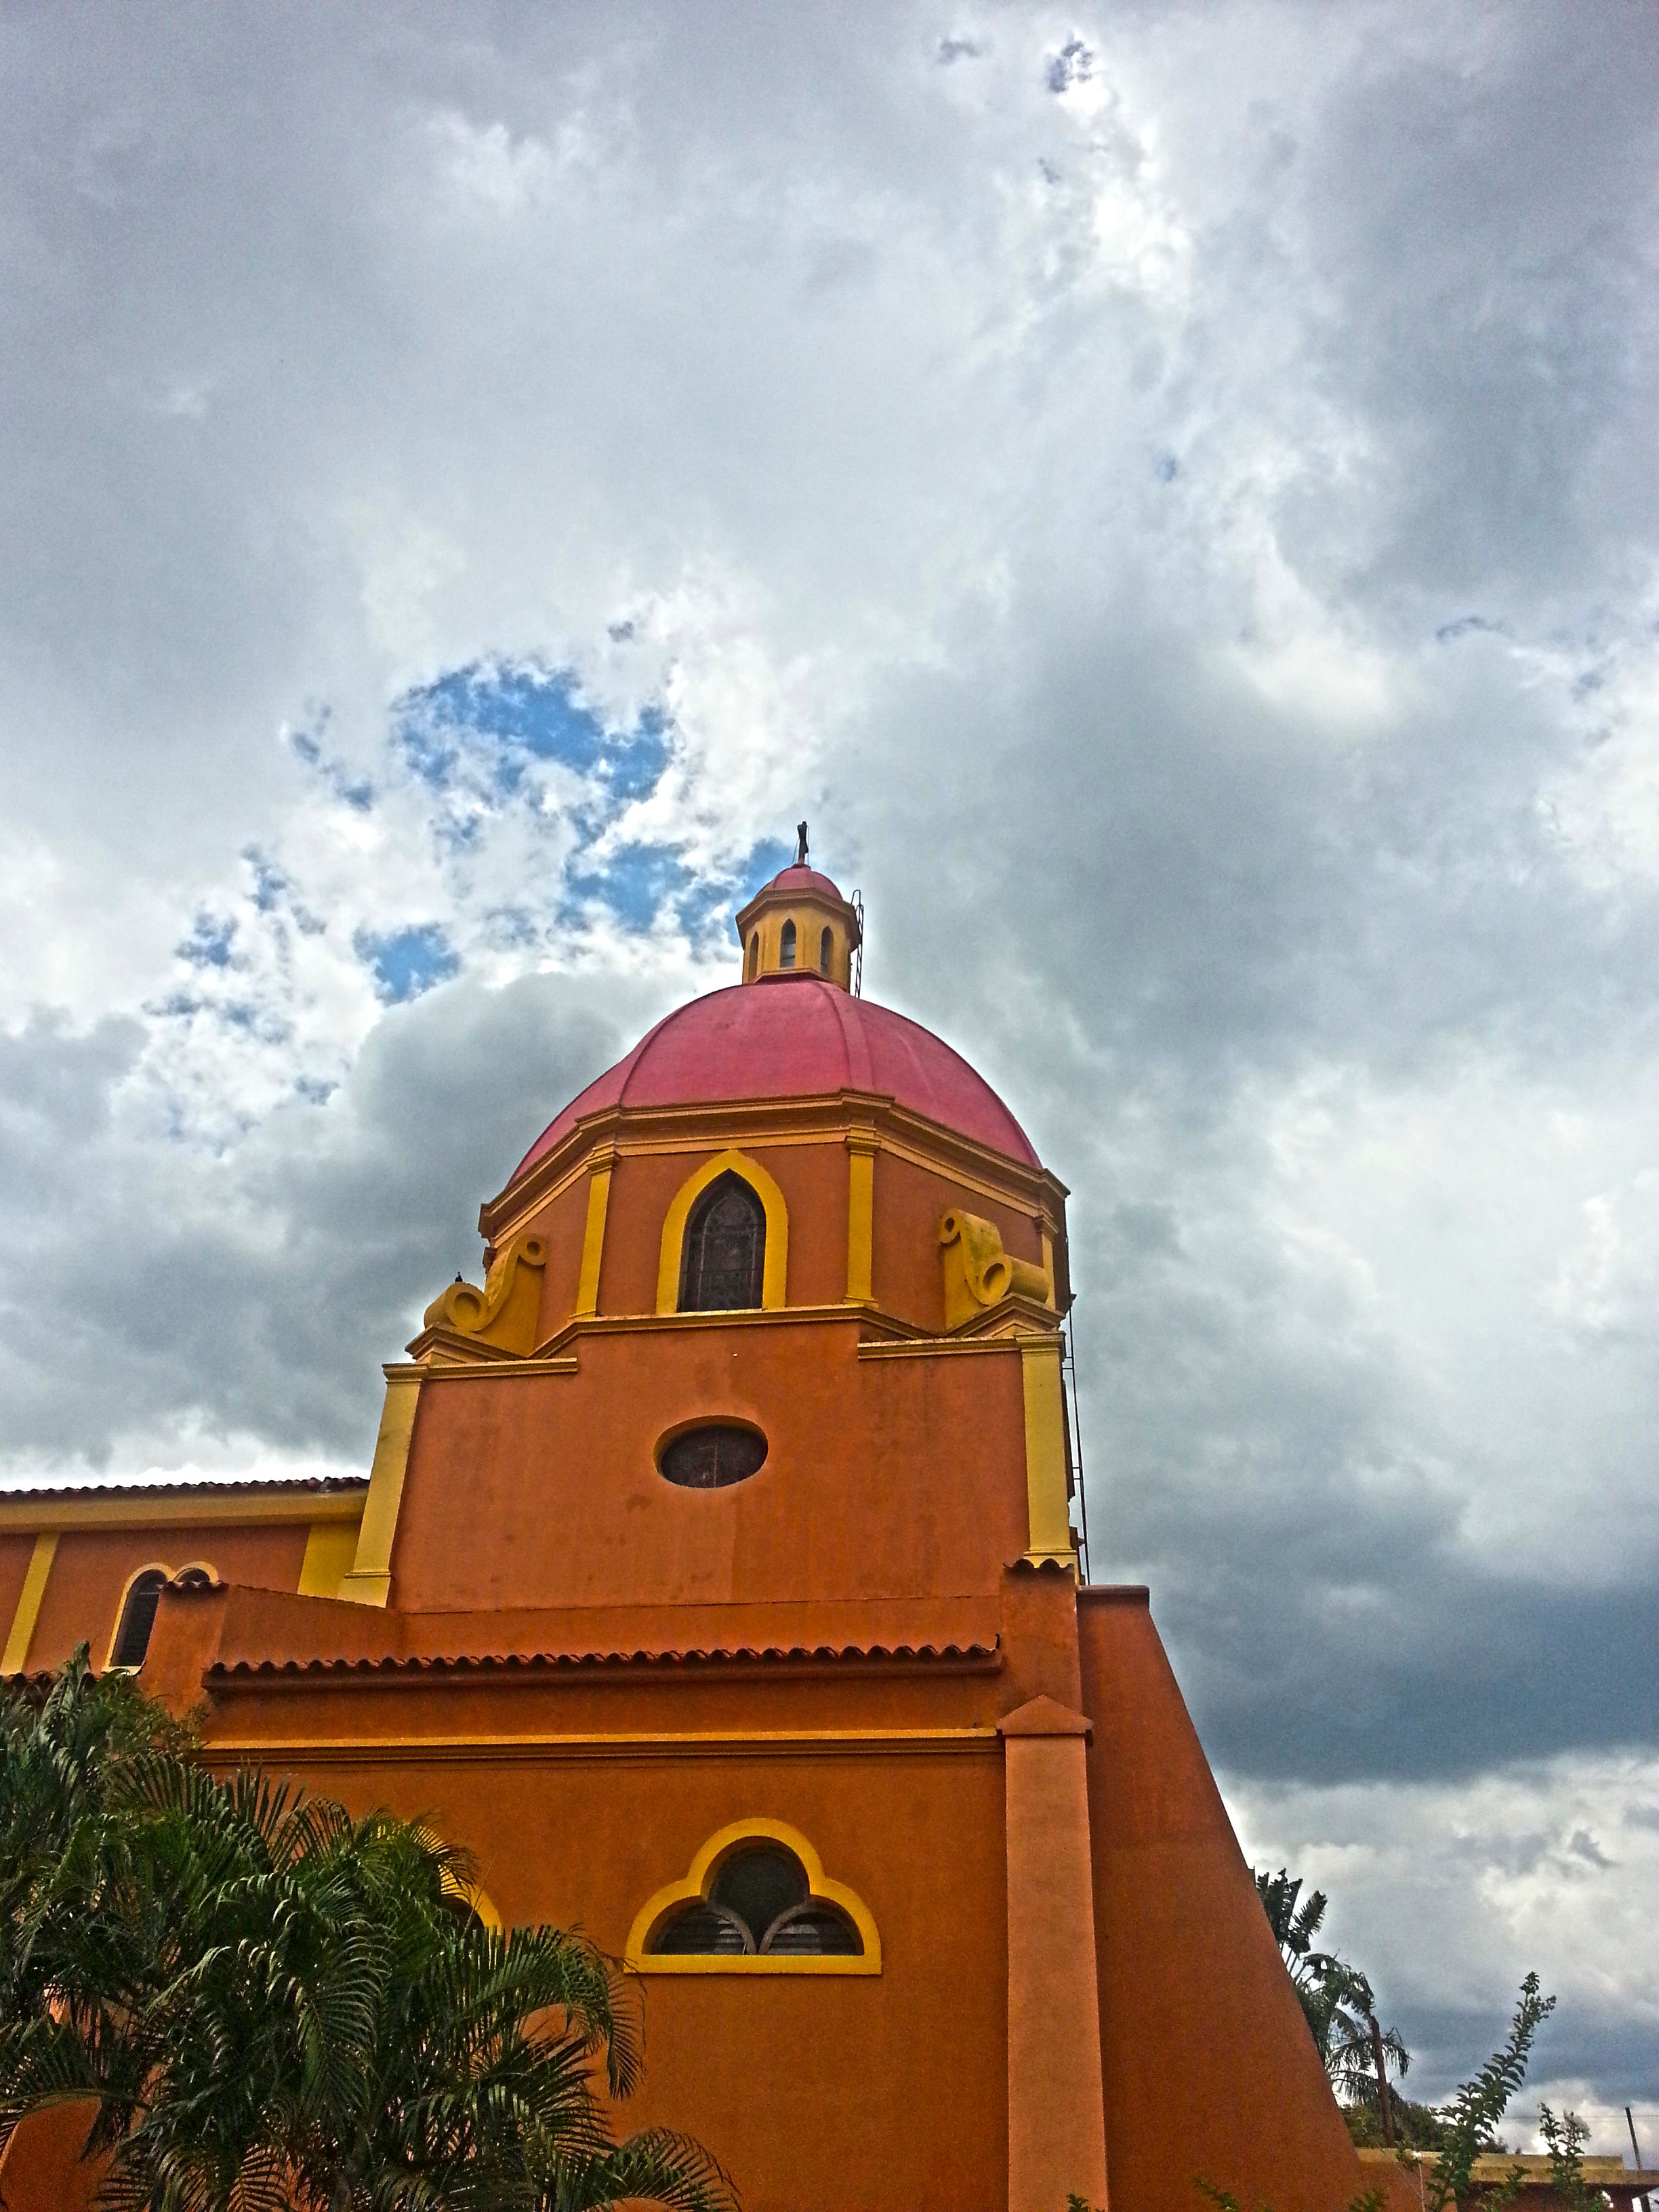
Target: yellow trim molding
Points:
(15, 1657)
(701, 1879)
(1046, 1503)
(369, 1582)
(598, 1202)
(163, 1509)
(775, 1269)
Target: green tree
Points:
(275, 2004)
(1473, 2113)
(1337, 2000)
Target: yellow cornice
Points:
(159, 1509)
(856, 1311)
(699, 1743)
(823, 1117)
(938, 1347)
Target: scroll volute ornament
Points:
(979, 1274)
(506, 1314)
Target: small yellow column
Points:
(860, 1215)
(599, 1201)
(1049, 1511)
(369, 1582)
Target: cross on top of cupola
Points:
(798, 925)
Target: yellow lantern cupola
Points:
(800, 925)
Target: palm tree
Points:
(275, 2004)
(1336, 1999)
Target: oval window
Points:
(713, 1456)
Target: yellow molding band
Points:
(860, 1213)
(942, 1347)
(369, 1582)
(16, 1654)
(160, 1510)
(482, 1370)
(776, 1264)
(486, 1750)
(598, 1200)
(1047, 1511)
(700, 1879)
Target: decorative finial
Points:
(800, 844)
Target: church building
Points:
(716, 1582)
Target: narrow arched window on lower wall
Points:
(130, 1645)
(757, 1900)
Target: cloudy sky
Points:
(1171, 492)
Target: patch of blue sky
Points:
(211, 942)
(407, 962)
(635, 884)
(494, 717)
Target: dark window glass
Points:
(725, 1256)
(759, 1904)
(787, 946)
(826, 947)
(138, 1618)
(711, 1458)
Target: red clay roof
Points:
(446, 1662)
(248, 1487)
(803, 879)
(795, 1037)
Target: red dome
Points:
(805, 879)
(795, 1038)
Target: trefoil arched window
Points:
(760, 1905)
(723, 1258)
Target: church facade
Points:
(716, 1583)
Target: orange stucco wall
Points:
(883, 1476)
(92, 1567)
(856, 2094)
(1208, 2065)
(16, 1553)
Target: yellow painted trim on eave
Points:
(1049, 1513)
(165, 1512)
(774, 1267)
(369, 1582)
(700, 1879)
(27, 1612)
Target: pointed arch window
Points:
(754, 953)
(826, 948)
(724, 1261)
(787, 946)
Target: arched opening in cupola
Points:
(787, 946)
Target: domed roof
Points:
(805, 879)
(795, 1037)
